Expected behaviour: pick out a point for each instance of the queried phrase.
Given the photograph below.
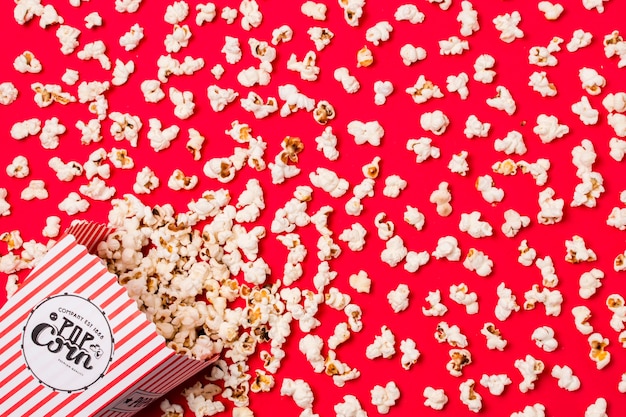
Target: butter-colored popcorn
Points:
(483, 71)
(366, 132)
(493, 336)
(253, 103)
(505, 167)
(50, 132)
(435, 307)
(598, 408)
(548, 128)
(316, 11)
(461, 295)
(18, 168)
(394, 251)
(587, 114)
(435, 398)
(472, 399)
(348, 82)
(618, 122)
(97, 190)
(495, 383)
(410, 354)
(443, 4)
(551, 300)
(488, 190)
(507, 24)
(382, 90)
(503, 100)
(385, 397)
(73, 204)
(458, 84)
(361, 282)
(399, 298)
(383, 345)
(616, 304)
(120, 158)
(36, 189)
(451, 335)
(459, 358)
(327, 248)
(513, 223)
(476, 128)
(145, 182)
(65, 172)
(539, 170)
(179, 181)
(566, 378)
(26, 62)
(205, 13)
(364, 57)
(582, 314)
(453, 46)
(471, 223)
(394, 184)
(477, 261)
(380, 32)
(447, 247)
(423, 90)
(580, 39)
(598, 352)
(551, 209)
(423, 149)
(52, 228)
(410, 54)
(507, 302)
(47, 94)
(409, 13)
(299, 390)
(577, 251)
(530, 368)
(544, 338)
(592, 82)
(538, 80)
(549, 10)
(122, 71)
(323, 112)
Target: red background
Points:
(400, 119)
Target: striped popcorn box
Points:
(75, 344)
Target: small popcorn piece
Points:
(488, 190)
(539, 170)
(477, 261)
(18, 168)
(458, 84)
(294, 100)
(530, 368)
(219, 97)
(443, 4)
(361, 282)
(599, 6)
(506, 167)
(423, 149)
(68, 37)
(598, 408)
(409, 13)
(618, 123)
(127, 6)
(435, 398)
(435, 307)
(587, 114)
(385, 228)
(92, 20)
(544, 338)
(394, 251)
(282, 33)
(616, 304)
(131, 39)
(366, 132)
(183, 102)
(423, 90)
(394, 184)
(577, 251)
(535, 410)
(513, 143)
(306, 68)
(399, 298)
(413, 217)
(453, 46)
(436, 122)
(179, 181)
(65, 172)
(49, 16)
(459, 358)
(125, 126)
(178, 39)
(52, 228)
(592, 82)
(316, 11)
(145, 182)
(122, 71)
(47, 94)
(546, 266)
(469, 397)
(617, 218)
(364, 57)
(348, 82)
(95, 50)
(538, 80)
(580, 39)
(323, 112)
(447, 247)
(493, 336)
(152, 91)
(566, 378)
(548, 128)
(176, 12)
(50, 132)
(328, 181)
(410, 354)
(461, 295)
(321, 37)
(468, 18)
(380, 32)
(513, 223)
(299, 390)
(483, 71)
(471, 223)
(97, 190)
(5, 206)
(251, 16)
(73, 204)
(36, 189)
(588, 190)
(551, 209)
(507, 302)
(161, 139)
(26, 62)
(615, 102)
(495, 383)
(231, 49)
(549, 10)
(507, 25)
(13, 239)
(385, 397)
(450, 334)
(382, 90)
(70, 76)
(582, 314)
(383, 345)
(503, 101)
(442, 197)
(597, 353)
(410, 54)
(476, 128)
(205, 13)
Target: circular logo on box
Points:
(67, 342)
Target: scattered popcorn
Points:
(125, 126)
(423, 90)
(382, 90)
(448, 248)
(459, 358)
(450, 334)
(530, 368)
(435, 307)
(548, 128)
(494, 337)
(513, 223)
(580, 39)
(49, 17)
(380, 32)
(488, 190)
(622, 384)
(299, 390)
(130, 40)
(495, 383)
(95, 50)
(29, 127)
(588, 190)
(483, 71)
(551, 209)
(179, 181)
(566, 378)
(50, 132)
(475, 227)
(122, 71)
(47, 94)
(435, 398)
(382, 346)
(540, 83)
(329, 181)
(442, 197)
(461, 295)
(546, 266)
(369, 132)
(146, 181)
(423, 149)
(18, 168)
(618, 123)
(469, 397)
(73, 204)
(349, 82)
(468, 18)
(436, 122)
(394, 251)
(507, 302)
(410, 13)
(587, 114)
(183, 102)
(597, 352)
(458, 84)
(477, 261)
(453, 46)
(399, 298)
(506, 167)
(65, 172)
(127, 6)
(410, 54)
(549, 10)
(577, 251)
(539, 170)
(92, 20)
(535, 410)
(544, 338)
(503, 101)
(616, 304)
(507, 25)
(476, 128)
(26, 62)
(364, 57)
(393, 186)
(598, 408)
(582, 314)
(385, 397)
(361, 282)
(615, 102)
(36, 189)
(592, 82)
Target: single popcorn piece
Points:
(26, 62)
(495, 383)
(538, 80)
(548, 128)
(615, 102)
(448, 248)
(472, 225)
(49, 16)
(92, 20)
(251, 16)
(453, 46)
(470, 397)
(219, 97)
(477, 261)
(382, 90)
(53, 227)
(36, 189)
(414, 217)
(503, 101)
(47, 94)
(582, 314)
(588, 190)
(423, 90)
(350, 407)
(436, 122)
(183, 102)
(179, 181)
(399, 298)
(361, 282)
(328, 181)
(97, 190)
(160, 138)
(65, 172)
(598, 352)
(483, 71)
(539, 170)
(316, 11)
(512, 143)
(127, 6)
(385, 228)
(125, 126)
(364, 57)
(348, 82)
(366, 132)
(68, 37)
(513, 223)
(382, 346)
(394, 251)
(546, 266)
(120, 159)
(476, 128)
(205, 13)
(146, 181)
(394, 184)
(385, 397)
(461, 295)
(617, 305)
(488, 190)
(327, 144)
(306, 68)
(5, 206)
(18, 168)
(580, 39)
(410, 354)
(435, 398)
(410, 54)
(73, 204)
(70, 77)
(599, 6)
(550, 11)
(443, 4)
(468, 18)
(507, 302)
(90, 131)
(505, 167)
(50, 132)
(294, 100)
(435, 307)
(551, 210)
(530, 368)
(122, 71)
(587, 114)
(321, 37)
(178, 39)
(544, 338)
(131, 39)
(409, 13)
(231, 49)
(566, 378)
(380, 32)
(592, 82)
(152, 91)
(598, 408)
(459, 359)
(535, 410)
(299, 390)
(423, 149)
(458, 84)
(507, 24)
(493, 336)
(176, 12)
(95, 50)
(577, 251)
(458, 164)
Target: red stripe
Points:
(155, 374)
(121, 308)
(33, 410)
(10, 377)
(118, 294)
(17, 388)
(127, 320)
(99, 290)
(69, 399)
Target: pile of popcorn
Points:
(207, 275)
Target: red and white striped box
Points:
(75, 344)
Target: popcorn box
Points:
(74, 343)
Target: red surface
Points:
(400, 119)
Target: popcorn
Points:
(393, 185)
(616, 304)
(36, 189)
(382, 90)
(436, 122)
(423, 149)
(442, 197)
(25, 11)
(472, 224)
(385, 228)
(28, 127)
(551, 209)
(146, 181)
(435, 398)
(394, 251)
(476, 260)
(251, 16)
(380, 32)
(458, 84)
(219, 97)
(73, 204)
(536, 410)
(179, 181)
(49, 17)
(351, 407)
(582, 314)
(299, 390)
(507, 302)
(283, 33)
(450, 334)
(577, 251)
(618, 123)
(507, 25)
(443, 4)
(410, 13)
(513, 223)
(413, 217)
(506, 167)
(399, 298)
(549, 10)
(468, 18)
(476, 128)
(548, 128)
(414, 260)
(176, 12)
(453, 46)
(294, 100)
(598, 408)
(461, 295)
(447, 247)
(348, 82)
(131, 39)
(382, 346)
(459, 358)
(18, 168)
(122, 71)
(26, 62)
(469, 397)
(495, 383)
(47, 94)
(503, 101)
(423, 90)
(599, 6)
(539, 170)
(530, 368)
(488, 190)
(205, 13)
(592, 82)
(50, 132)
(589, 190)
(316, 11)
(580, 39)
(306, 68)
(598, 354)
(97, 190)
(127, 6)
(385, 397)
(5, 206)
(483, 71)
(587, 114)
(435, 307)
(178, 39)
(615, 102)
(161, 139)
(329, 181)
(93, 19)
(361, 282)
(410, 354)
(323, 112)
(366, 132)
(231, 49)
(540, 83)
(566, 378)
(120, 159)
(95, 50)
(410, 54)
(622, 384)
(90, 132)
(352, 11)
(125, 126)
(65, 172)
(544, 338)
(494, 337)
(183, 102)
